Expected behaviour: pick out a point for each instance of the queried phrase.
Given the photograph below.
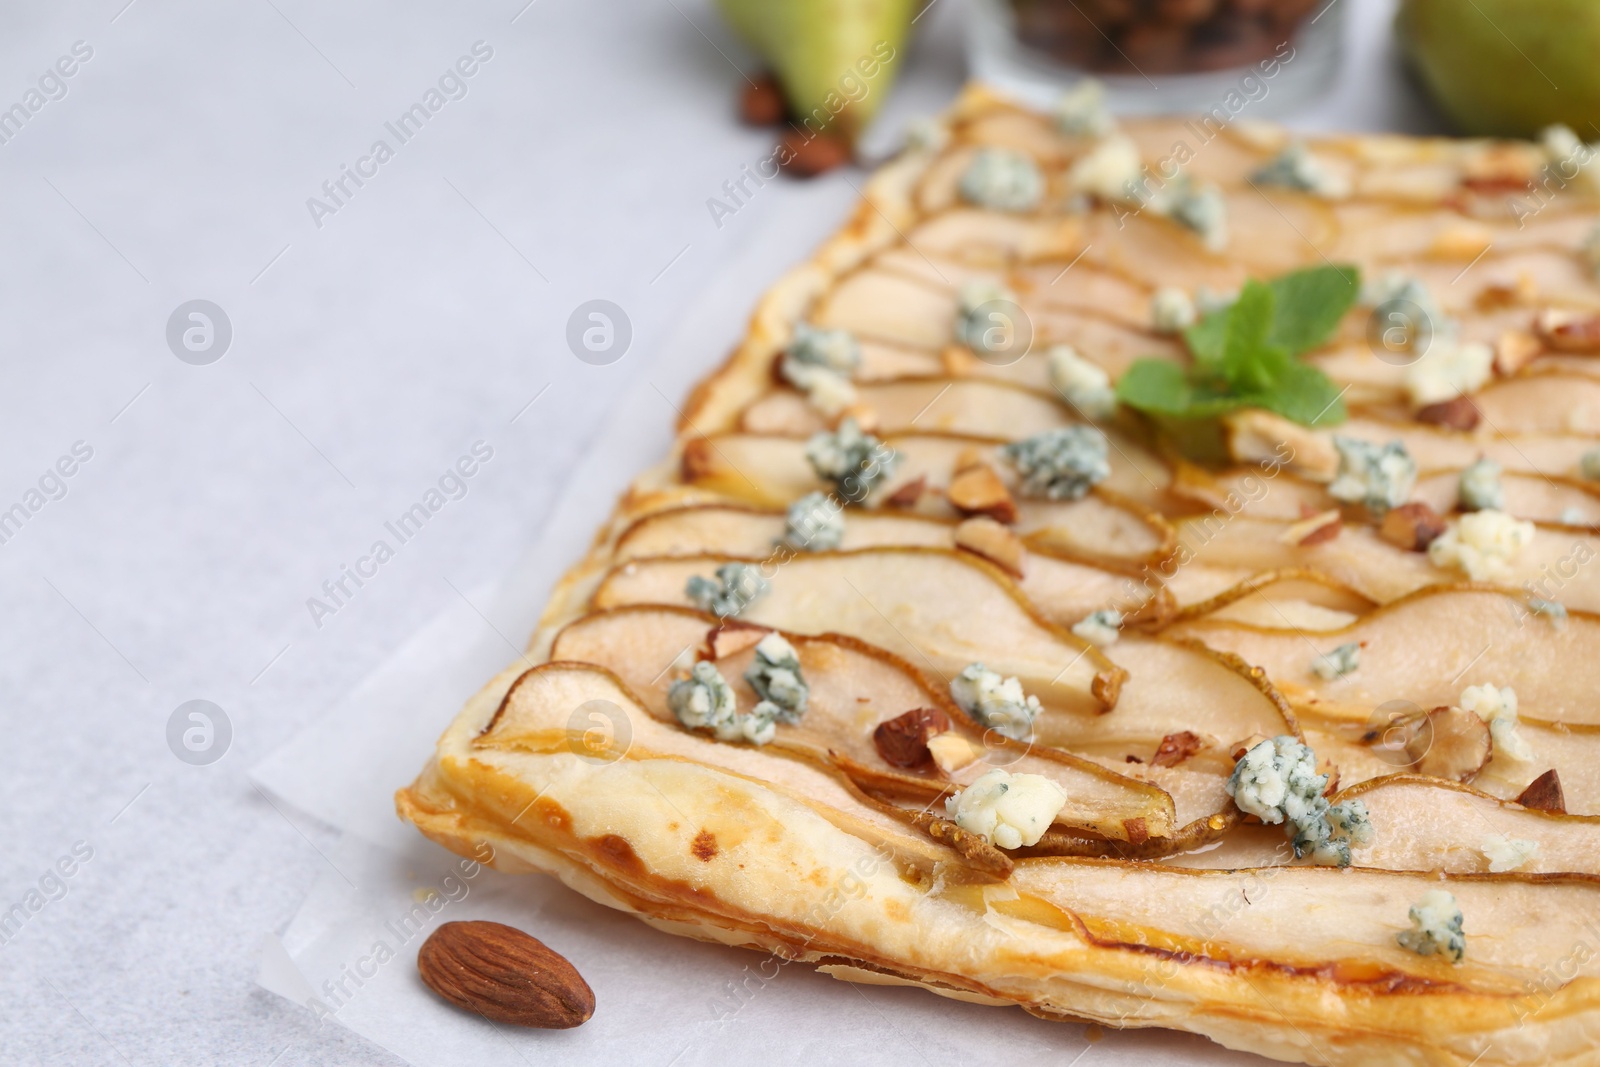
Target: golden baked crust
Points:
(1152, 901)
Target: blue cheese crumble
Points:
(1589, 251)
(1404, 311)
(1276, 780)
(1003, 180)
(1110, 171)
(819, 363)
(1082, 384)
(775, 675)
(1379, 476)
(979, 325)
(855, 462)
(1481, 544)
(1553, 610)
(1497, 706)
(814, 523)
(1081, 111)
(1448, 369)
(1436, 922)
(926, 134)
(736, 586)
(995, 702)
(1197, 207)
(1327, 841)
(1296, 168)
(705, 701)
(1007, 810)
(1172, 311)
(1480, 488)
(1061, 464)
(1099, 628)
(1589, 464)
(1337, 663)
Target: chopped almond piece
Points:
(968, 458)
(866, 417)
(1462, 240)
(1544, 794)
(1412, 526)
(1501, 167)
(1503, 294)
(1314, 529)
(1569, 331)
(1175, 748)
(958, 361)
(994, 542)
(1458, 413)
(1272, 440)
(1514, 350)
(907, 495)
(903, 740)
(1452, 743)
(979, 491)
(951, 751)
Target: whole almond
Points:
(504, 975)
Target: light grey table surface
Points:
(368, 353)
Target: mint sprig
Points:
(1247, 354)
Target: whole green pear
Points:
(834, 58)
(1508, 67)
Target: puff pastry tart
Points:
(1143, 573)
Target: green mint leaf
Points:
(1156, 386)
(1206, 338)
(1305, 395)
(1310, 304)
(1250, 362)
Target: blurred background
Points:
(242, 338)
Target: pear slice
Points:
(773, 471)
(1342, 924)
(1426, 648)
(1549, 499)
(939, 609)
(1427, 824)
(944, 610)
(1434, 449)
(853, 688)
(1280, 599)
(997, 238)
(1062, 590)
(887, 306)
(558, 710)
(1542, 404)
(1553, 565)
(970, 407)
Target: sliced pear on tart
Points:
(1553, 561)
(1427, 647)
(773, 471)
(1063, 590)
(853, 689)
(936, 608)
